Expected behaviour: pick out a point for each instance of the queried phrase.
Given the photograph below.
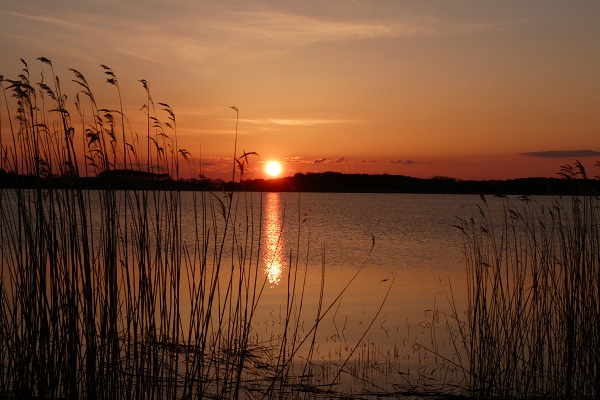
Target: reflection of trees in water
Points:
(273, 255)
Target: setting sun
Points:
(273, 168)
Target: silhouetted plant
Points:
(533, 328)
(93, 283)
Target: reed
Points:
(533, 321)
(111, 294)
(107, 294)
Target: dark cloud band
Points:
(563, 153)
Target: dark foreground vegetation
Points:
(104, 295)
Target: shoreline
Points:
(326, 182)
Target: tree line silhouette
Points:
(334, 182)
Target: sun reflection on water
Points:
(273, 255)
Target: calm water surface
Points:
(383, 271)
(416, 250)
(379, 268)
(402, 242)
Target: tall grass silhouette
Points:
(152, 294)
(105, 293)
(533, 322)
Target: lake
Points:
(415, 245)
(364, 283)
(415, 249)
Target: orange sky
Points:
(468, 89)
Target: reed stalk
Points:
(109, 294)
(533, 327)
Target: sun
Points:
(273, 168)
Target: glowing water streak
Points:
(273, 256)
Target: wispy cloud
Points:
(346, 160)
(324, 160)
(294, 160)
(562, 153)
(287, 27)
(308, 122)
(42, 19)
(403, 162)
(213, 34)
(279, 27)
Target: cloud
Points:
(42, 19)
(562, 153)
(295, 160)
(306, 121)
(403, 162)
(324, 160)
(284, 27)
(290, 28)
(206, 35)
